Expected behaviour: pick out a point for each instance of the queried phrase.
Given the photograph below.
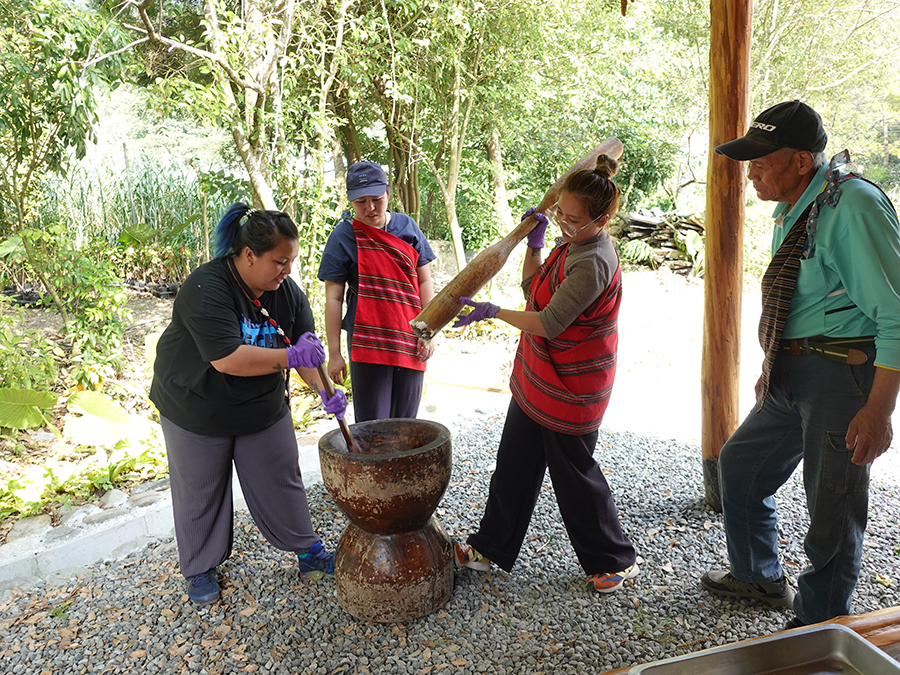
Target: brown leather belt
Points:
(843, 350)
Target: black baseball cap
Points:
(791, 124)
(366, 179)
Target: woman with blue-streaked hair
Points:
(239, 326)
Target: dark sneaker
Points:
(315, 563)
(612, 581)
(776, 593)
(204, 588)
(796, 622)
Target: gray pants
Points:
(268, 467)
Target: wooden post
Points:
(729, 95)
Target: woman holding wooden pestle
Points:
(380, 258)
(239, 325)
(561, 381)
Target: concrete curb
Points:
(89, 534)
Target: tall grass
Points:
(98, 202)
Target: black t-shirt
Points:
(211, 318)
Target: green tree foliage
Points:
(237, 58)
(420, 85)
(49, 103)
(157, 63)
(427, 81)
(840, 57)
(266, 69)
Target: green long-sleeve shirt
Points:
(850, 285)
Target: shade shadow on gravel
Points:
(132, 616)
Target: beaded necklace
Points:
(255, 301)
(262, 310)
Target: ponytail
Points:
(261, 232)
(227, 229)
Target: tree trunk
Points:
(498, 178)
(203, 253)
(404, 173)
(347, 129)
(453, 168)
(204, 205)
(406, 179)
(257, 164)
(45, 280)
(729, 95)
(340, 167)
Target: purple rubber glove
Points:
(307, 353)
(536, 236)
(480, 312)
(336, 405)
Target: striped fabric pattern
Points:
(564, 383)
(778, 284)
(388, 300)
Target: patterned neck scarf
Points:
(780, 277)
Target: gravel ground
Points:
(133, 616)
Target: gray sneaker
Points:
(776, 593)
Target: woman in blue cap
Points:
(380, 259)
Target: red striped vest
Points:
(564, 383)
(388, 300)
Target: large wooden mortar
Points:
(394, 560)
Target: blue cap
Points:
(366, 179)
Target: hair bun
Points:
(606, 166)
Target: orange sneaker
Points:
(611, 581)
(466, 556)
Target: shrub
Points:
(28, 360)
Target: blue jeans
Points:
(809, 408)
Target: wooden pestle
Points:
(482, 268)
(345, 428)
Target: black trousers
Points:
(526, 450)
(381, 391)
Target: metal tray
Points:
(830, 649)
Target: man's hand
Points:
(869, 435)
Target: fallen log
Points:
(483, 267)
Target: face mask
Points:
(564, 226)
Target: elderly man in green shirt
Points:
(831, 331)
